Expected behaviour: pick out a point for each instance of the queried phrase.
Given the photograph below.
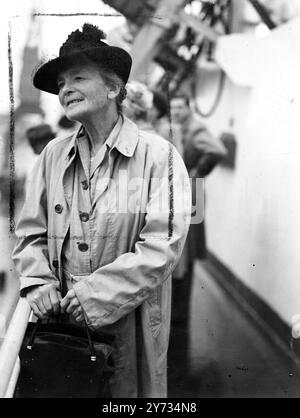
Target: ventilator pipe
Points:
(263, 13)
(217, 100)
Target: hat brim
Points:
(109, 57)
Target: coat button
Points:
(58, 208)
(55, 264)
(84, 217)
(83, 247)
(85, 185)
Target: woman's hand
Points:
(44, 300)
(71, 305)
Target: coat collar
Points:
(126, 142)
(128, 138)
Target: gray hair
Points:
(112, 79)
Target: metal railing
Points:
(9, 350)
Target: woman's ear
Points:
(113, 92)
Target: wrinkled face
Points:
(82, 92)
(179, 110)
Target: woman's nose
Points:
(64, 91)
(66, 88)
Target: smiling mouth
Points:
(74, 101)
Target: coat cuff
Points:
(94, 317)
(33, 281)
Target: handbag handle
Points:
(93, 356)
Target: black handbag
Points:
(63, 360)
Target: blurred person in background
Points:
(39, 136)
(23, 152)
(159, 116)
(201, 153)
(117, 272)
(66, 126)
(137, 105)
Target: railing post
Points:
(13, 380)
(11, 345)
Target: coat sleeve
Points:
(30, 254)
(117, 288)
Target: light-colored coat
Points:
(129, 293)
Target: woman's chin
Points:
(73, 115)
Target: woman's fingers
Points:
(55, 298)
(73, 305)
(46, 299)
(77, 311)
(37, 312)
(79, 318)
(43, 300)
(70, 302)
(64, 303)
(78, 314)
(37, 300)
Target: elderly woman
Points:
(103, 216)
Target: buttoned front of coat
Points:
(143, 218)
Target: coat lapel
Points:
(69, 170)
(125, 145)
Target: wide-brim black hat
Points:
(79, 45)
